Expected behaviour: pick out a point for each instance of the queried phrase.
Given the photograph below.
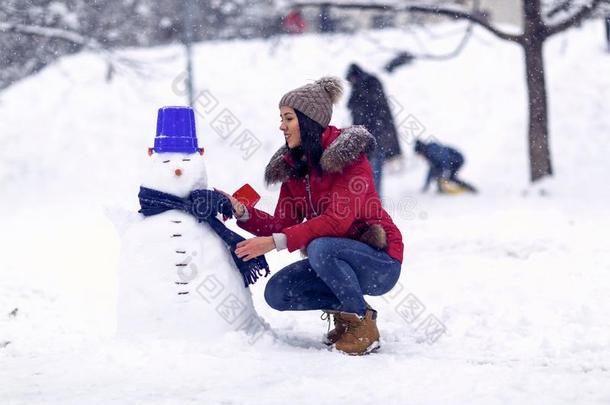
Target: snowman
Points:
(177, 277)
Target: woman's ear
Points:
(150, 151)
(201, 151)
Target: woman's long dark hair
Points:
(311, 145)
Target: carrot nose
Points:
(178, 172)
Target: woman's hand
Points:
(238, 208)
(254, 247)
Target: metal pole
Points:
(188, 10)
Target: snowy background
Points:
(519, 279)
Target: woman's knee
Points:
(383, 282)
(277, 291)
(320, 249)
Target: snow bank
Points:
(516, 281)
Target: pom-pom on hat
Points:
(175, 130)
(315, 100)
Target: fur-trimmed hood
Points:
(342, 147)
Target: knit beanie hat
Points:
(315, 100)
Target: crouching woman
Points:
(352, 245)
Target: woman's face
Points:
(290, 127)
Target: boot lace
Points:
(354, 326)
(326, 317)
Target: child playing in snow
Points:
(444, 164)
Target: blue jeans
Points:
(335, 276)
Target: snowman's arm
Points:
(287, 213)
(121, 217)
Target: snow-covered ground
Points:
(518, 280)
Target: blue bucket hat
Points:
(175, 131)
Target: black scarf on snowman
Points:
(205, 205)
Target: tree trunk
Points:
(538, 135)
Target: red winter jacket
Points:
(341, 202)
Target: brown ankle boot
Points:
(361, 336)
(340, 327)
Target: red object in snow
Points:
(293, 23)
(247, 195)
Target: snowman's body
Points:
(177, 277)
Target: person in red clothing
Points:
(293, 23)
(328, 208)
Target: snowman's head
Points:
(176, 173)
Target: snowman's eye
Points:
(166, 161)
(186, 160)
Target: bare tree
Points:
(535, 32)
(34, 33)
(538, 26)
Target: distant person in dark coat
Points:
(444, 164)
(608, 32)
(369, 107)
(327, 23)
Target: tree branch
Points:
(575, 19)
(378, 7)
(50, 32)
(436, 10)
(563, 6)
(462, 15)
